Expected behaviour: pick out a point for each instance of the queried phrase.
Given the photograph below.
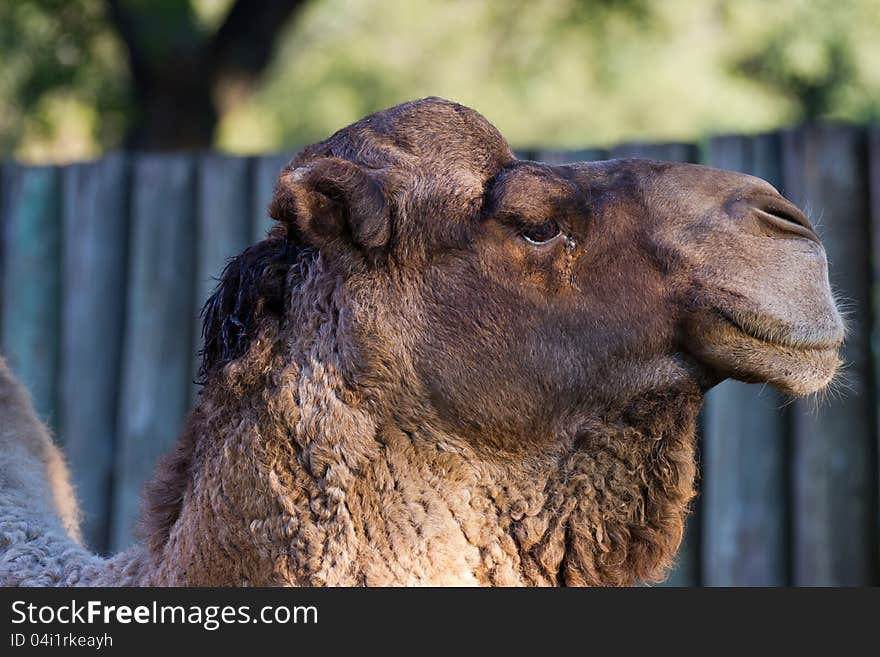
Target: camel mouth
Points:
(794, 360)
(774, 335)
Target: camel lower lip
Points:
(783, 344)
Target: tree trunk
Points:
(175, 110)
(176, 69)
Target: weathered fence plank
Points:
(744, 488)
(223, 225)
(31, 282)
(687, 568)
(745, 473)
(158, 342)
(834, 457)
(265, 174)
(874, 194)
(93, 311)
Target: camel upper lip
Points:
(782, 340)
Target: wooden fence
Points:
(105, 265)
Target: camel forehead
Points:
(430, 134)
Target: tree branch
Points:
(244, 43)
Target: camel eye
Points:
(541, 234)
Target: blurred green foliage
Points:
(563, 73)
(62, 79)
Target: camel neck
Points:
(606, 507)
(315, 491)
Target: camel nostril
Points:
(790, 215)
(787, 218)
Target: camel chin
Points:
(786, 361)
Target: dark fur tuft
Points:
(252, 286)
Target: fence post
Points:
(874, 194)
(834, 446)
(31, 282)
(158, 346)
(95, 237)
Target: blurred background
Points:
(79, 77)
(141, 139)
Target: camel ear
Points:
(333, 202)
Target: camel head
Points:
(503, 293)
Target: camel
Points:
(448, 366)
